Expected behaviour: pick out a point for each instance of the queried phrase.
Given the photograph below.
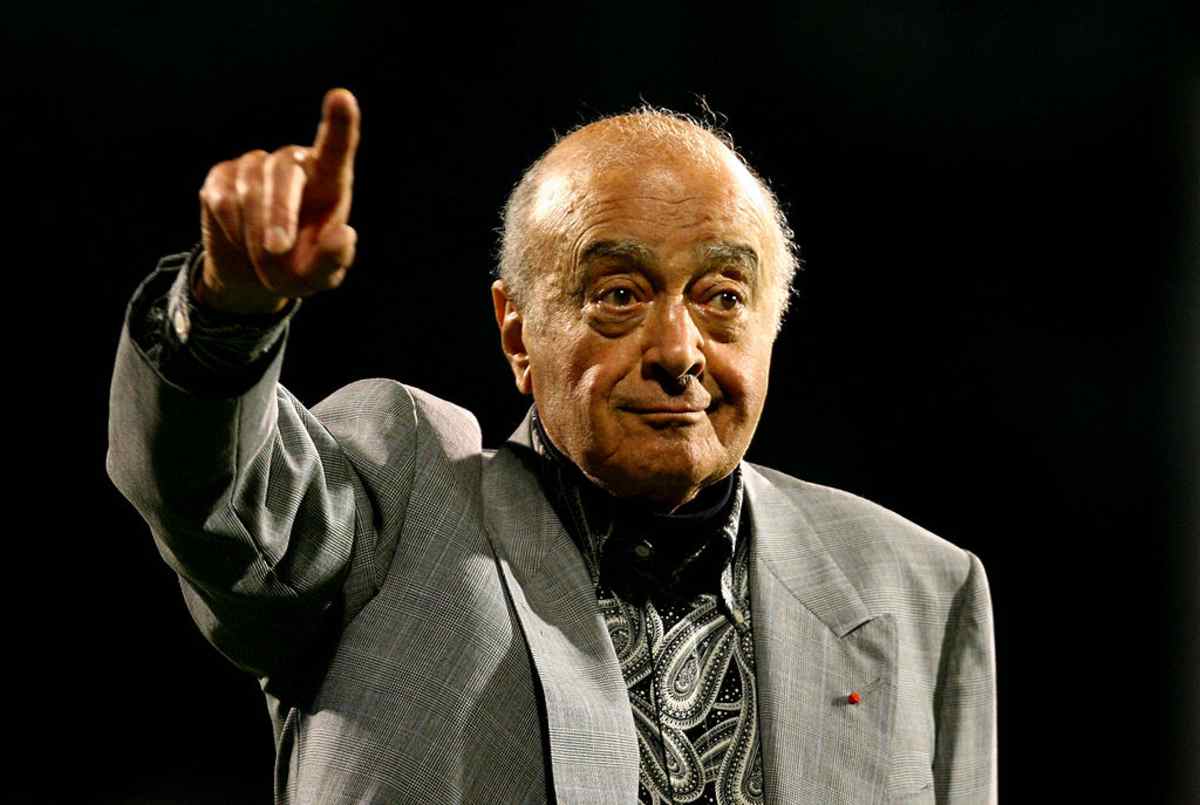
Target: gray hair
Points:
(519, 259)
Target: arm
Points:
(964, 764)
(250, 498)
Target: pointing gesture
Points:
(274, 224)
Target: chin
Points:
(670, 480)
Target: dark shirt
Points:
(674, 591)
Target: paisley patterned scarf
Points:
(674, 591)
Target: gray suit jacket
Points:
(425, 630)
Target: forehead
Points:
(659, 198)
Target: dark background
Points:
(995, 334)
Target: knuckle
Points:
(218, 197)
(224, 206)
(290, 151)
(246, 185)
(210, 179)
(214, 200)
(217, 178)
(246, 164)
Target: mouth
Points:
(663, 409)
(667, 416)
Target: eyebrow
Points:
(726, 252)
(721, 252)
(617, 248)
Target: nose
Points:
(674, 346)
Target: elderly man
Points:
(613, 606)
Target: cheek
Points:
(595, 382)
(589, 392)
(756, 383)
(574, 377)
(742, 378)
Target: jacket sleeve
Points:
(250, 498)
(964, 765)
(203, 350)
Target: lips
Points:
(699, 403)
(694, 400)
(671, 409)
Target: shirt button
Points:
(643, 550)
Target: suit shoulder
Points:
(871, 539)
(384, 410)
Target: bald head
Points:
(644, 142)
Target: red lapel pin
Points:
(854, 698)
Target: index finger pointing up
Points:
(337, 138)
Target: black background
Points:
(995, 333)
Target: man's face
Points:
(650, 351)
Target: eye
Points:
(727, 301)
(620, 296)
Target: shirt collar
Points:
(641, 554)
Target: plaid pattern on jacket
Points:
(425, 630)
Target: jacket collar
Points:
(785, 543)
(593, 743)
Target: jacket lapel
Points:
(593, 742)
(815, 642)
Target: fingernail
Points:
(276, 240)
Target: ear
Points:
(512, 336)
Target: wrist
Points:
(241, 301)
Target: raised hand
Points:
(274, 224)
